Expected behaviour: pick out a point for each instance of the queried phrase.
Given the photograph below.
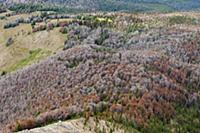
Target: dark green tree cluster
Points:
(27, 8)
(95, 21)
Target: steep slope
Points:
(136, 78)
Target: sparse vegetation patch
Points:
(34, 55)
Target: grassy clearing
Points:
(23, 41)
(34, 55)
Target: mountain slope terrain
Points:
(140, 71)
(113, 5)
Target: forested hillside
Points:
(100, 66)
(117, 5)
(139, 71)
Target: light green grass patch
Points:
(34, 55)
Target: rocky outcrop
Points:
(78, 126)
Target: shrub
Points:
(73, 63)
(63, 24)
(50, 26)
(2, 10)
(135, 27)
(32, 24)
(11, 25)
(3, 73)
(104, 35)
(64, 30)
(39, 28)
(156, 126)
(22, 124)
(9, 41)
(2, 17)
(20, 20)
